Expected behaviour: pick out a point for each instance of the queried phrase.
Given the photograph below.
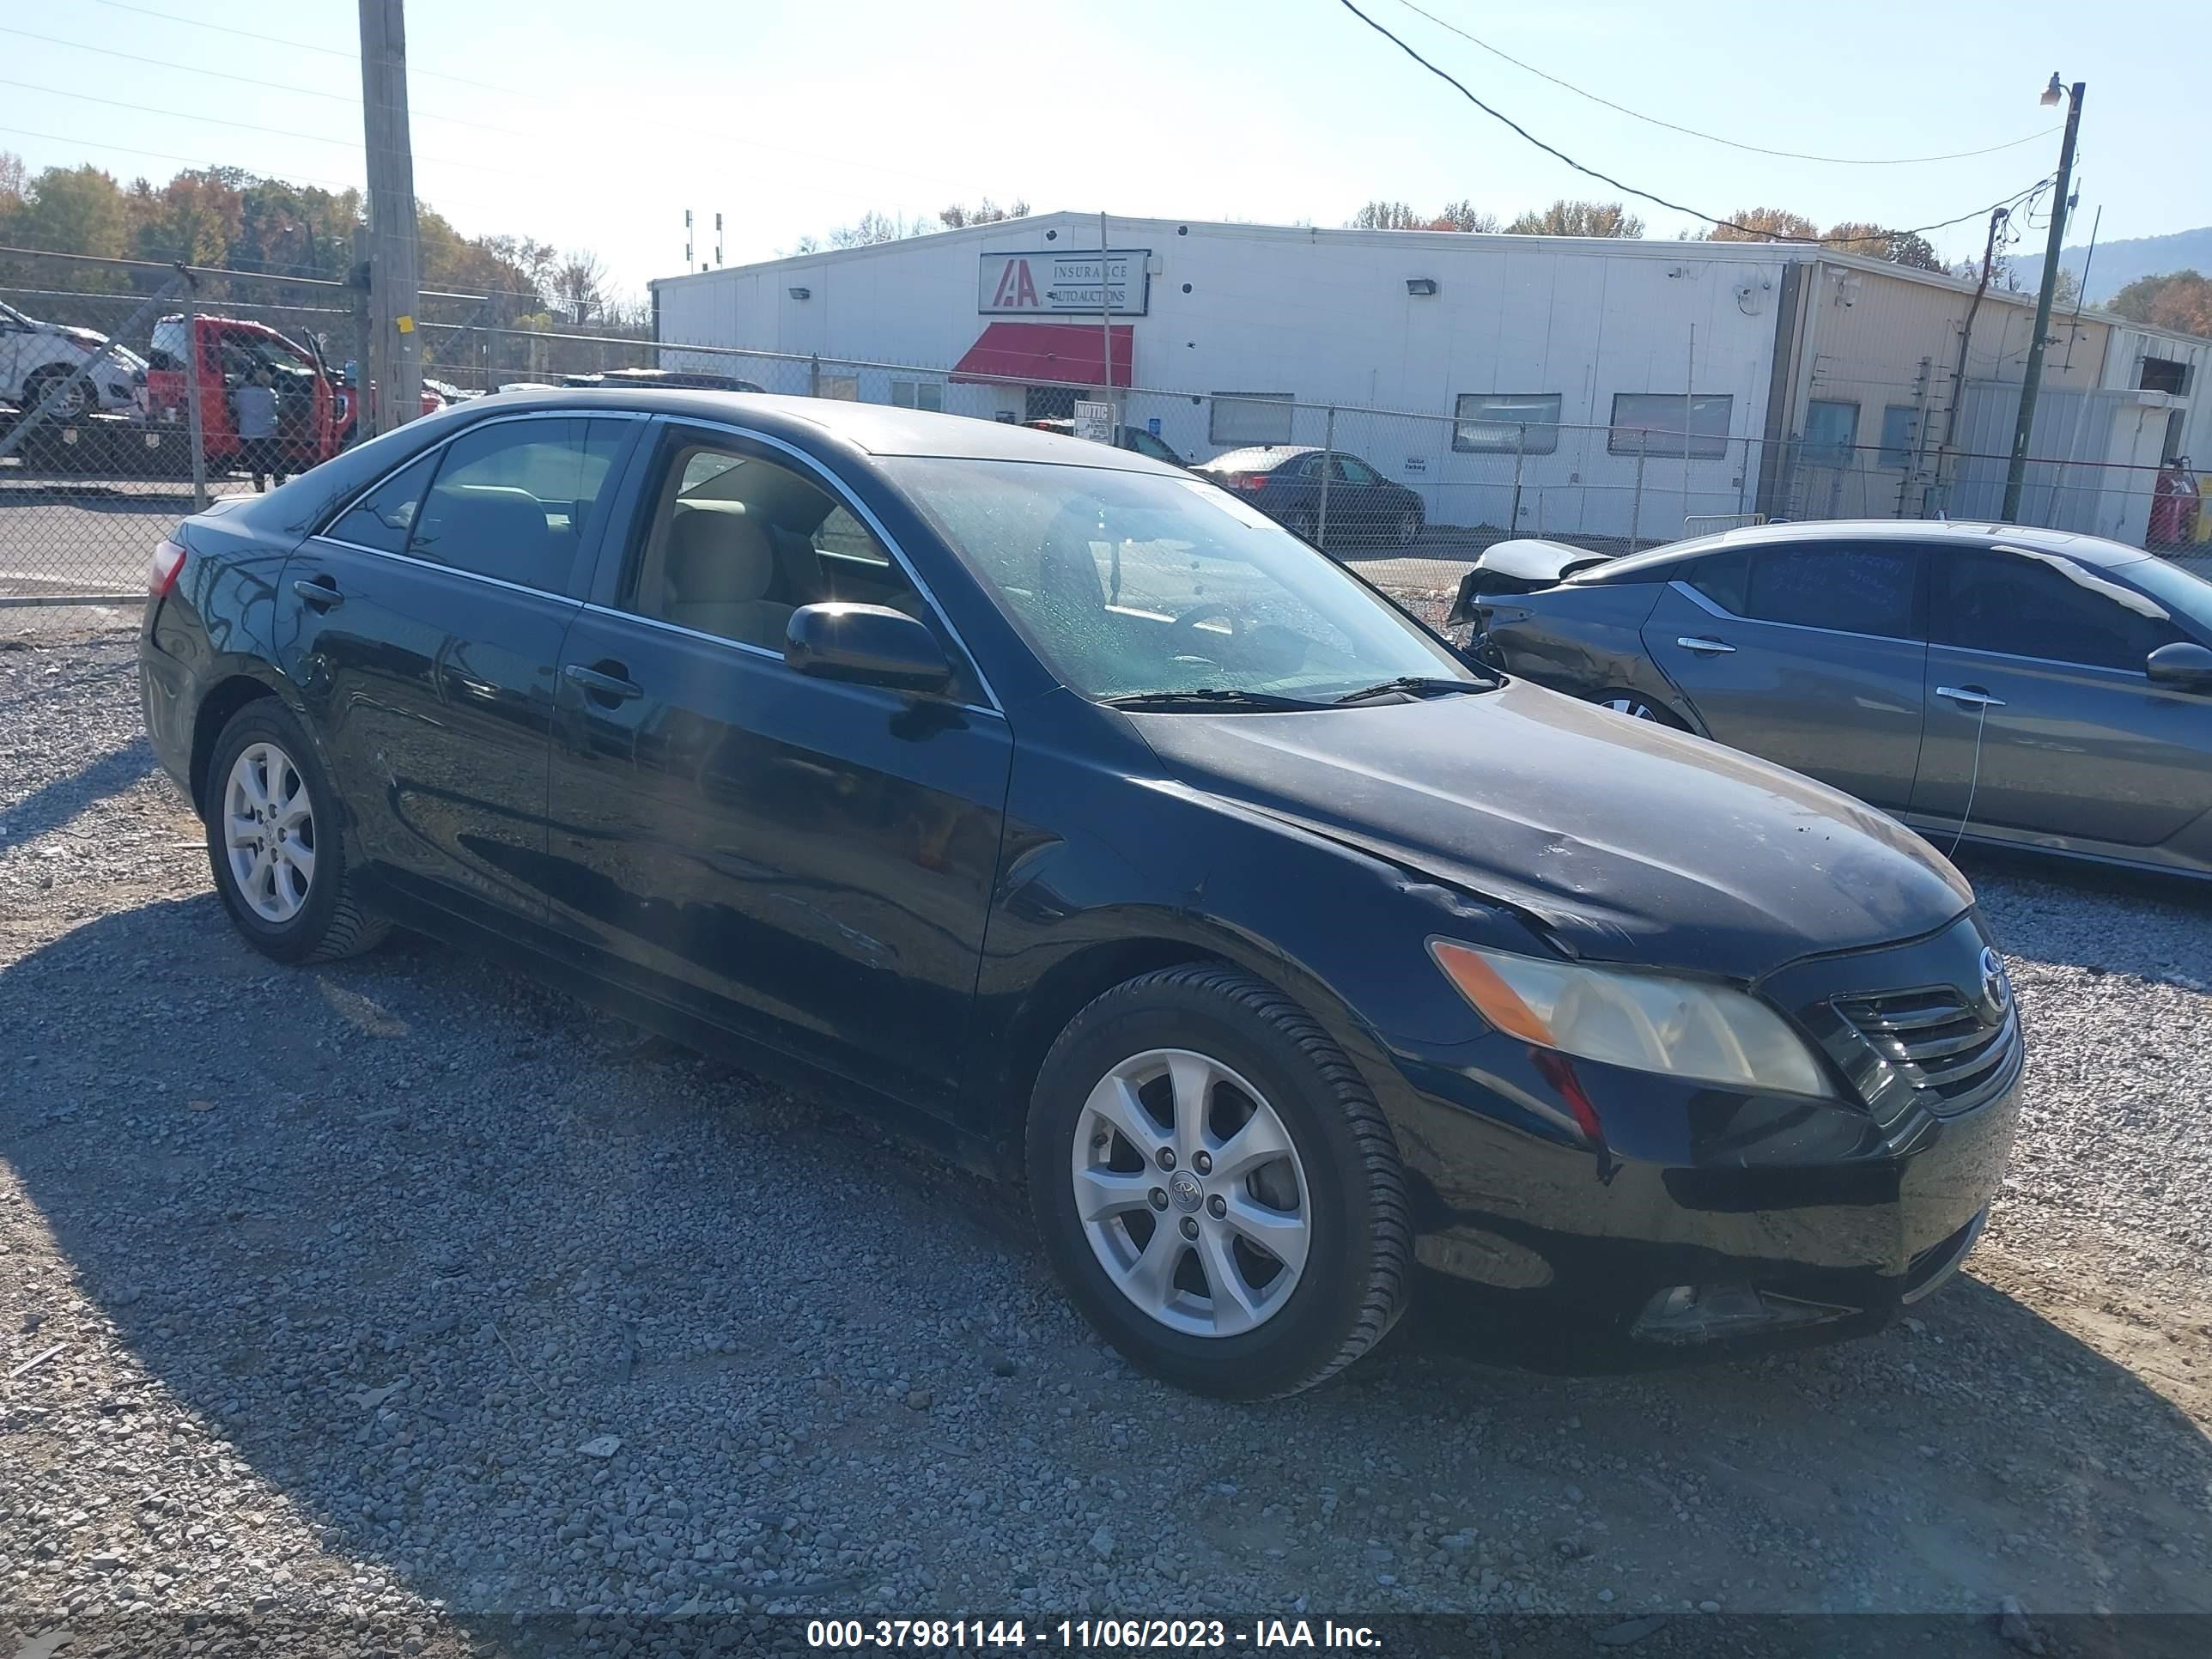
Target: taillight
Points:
(1252, 481)
(164, 567)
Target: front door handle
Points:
(1969, 697)
(322, 594)
(607, 688)
(1705, 648)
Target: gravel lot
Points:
(405, 1291)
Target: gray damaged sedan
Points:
(1984, 682)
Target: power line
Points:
(718, 137)
(248, 126)
(1714, 138)
(1750, 231)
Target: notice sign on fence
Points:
(1095, 421)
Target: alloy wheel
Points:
(1634, 707)
(1190, 1192)
(269, 832)
(1409, 529)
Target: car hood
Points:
(1628, 841)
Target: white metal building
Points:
(1569, 382)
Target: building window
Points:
(1660, 424)
(918, 394)
(1504, 422)
(1830, 428)
(1899, 427)
(1242, 418)
(842, 388)
(2164, 374)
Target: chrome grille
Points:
(1949, 1052)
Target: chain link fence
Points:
(150, 425)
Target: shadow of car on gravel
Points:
(409, 1234)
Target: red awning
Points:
(1044, 353)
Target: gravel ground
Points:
(405, 1293)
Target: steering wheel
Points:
(1182, 632)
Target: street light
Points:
(2032, 379)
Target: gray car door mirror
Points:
(2182, 663)
(867, 644)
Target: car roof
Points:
(1258, 458)
(2084, 550)
(873, 428)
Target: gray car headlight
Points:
(1649, 1022)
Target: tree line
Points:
(1576, 218)
(228, 219)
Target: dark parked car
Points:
(1284, 483)
(2043, 690)
(1136, 439)
(1067, 811)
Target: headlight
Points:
(1707, 1033)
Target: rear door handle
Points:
(1969, 697)
(322, 594)
(1705, 648)
(609, 687)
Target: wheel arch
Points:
(219, 705)
(1086, 972)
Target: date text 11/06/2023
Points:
(1086, 1635)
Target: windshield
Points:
(2188, 595)
(1132, 584)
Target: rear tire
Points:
(1303, 525)
(274, 845)
(1243, 1264)
(1409, 527)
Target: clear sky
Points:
(589, 124)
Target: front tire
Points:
(273, 847)
(1216, 1186)
(1408, 527)
(72, 407)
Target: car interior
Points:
(735, 544)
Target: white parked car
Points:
(34, 357)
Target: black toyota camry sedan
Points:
(1074, 814)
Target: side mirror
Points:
(867, 645)
(2182, 663)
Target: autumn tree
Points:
(1462, 215)
(13, 180)
(578, 284)
(1764, 224)
(2180, 301)
(1386, 215)
(985, 212)
(1879, 242)
(1565, 218)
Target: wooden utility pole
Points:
(2030, 382)
(395, 355)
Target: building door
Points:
(1048, 403)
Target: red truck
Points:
(315, 411)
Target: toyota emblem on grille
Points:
(1996, 989)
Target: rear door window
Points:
(1723, 578)
(2034, 604)
(383, 518)
(511, 499)
(1851, 588)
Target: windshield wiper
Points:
(1205, 698)
(1414, 685)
